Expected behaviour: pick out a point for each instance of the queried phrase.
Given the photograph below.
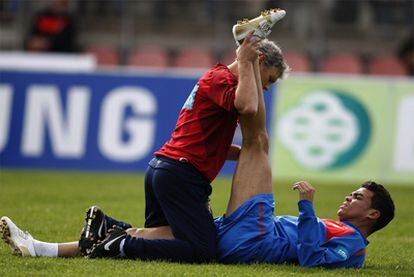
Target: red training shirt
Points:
(206, 123)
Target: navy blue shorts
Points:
(183, 174)
(176, 194)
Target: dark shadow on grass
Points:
(292, 268)
(391, 267)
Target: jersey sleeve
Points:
(222, 90)
(312, 248)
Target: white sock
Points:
(45, 249)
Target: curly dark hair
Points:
(382, 202)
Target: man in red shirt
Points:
(179, 226)
(177, 182)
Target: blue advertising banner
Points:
(103, 121)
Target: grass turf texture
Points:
(51, 206)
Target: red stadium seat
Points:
(297, 61)
(104, 55)
(152, 57)
(342, 63)
(386, 65)
(191, 57)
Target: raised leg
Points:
(253, 173)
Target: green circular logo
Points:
(328, 129)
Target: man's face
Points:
(269, 75)
(357, 205)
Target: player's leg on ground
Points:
(253, 172)
(71, 249)
(65, 249)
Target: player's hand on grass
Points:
(247, 51)
(306, 191)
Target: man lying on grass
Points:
(249, 232)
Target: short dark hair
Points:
(381, 201)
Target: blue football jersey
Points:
(253, 234)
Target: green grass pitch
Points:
(51, 206)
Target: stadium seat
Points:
(342, 63)
(386, 65)
(297, 61)
(151, 57)
(192, 57)
(104, 55)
